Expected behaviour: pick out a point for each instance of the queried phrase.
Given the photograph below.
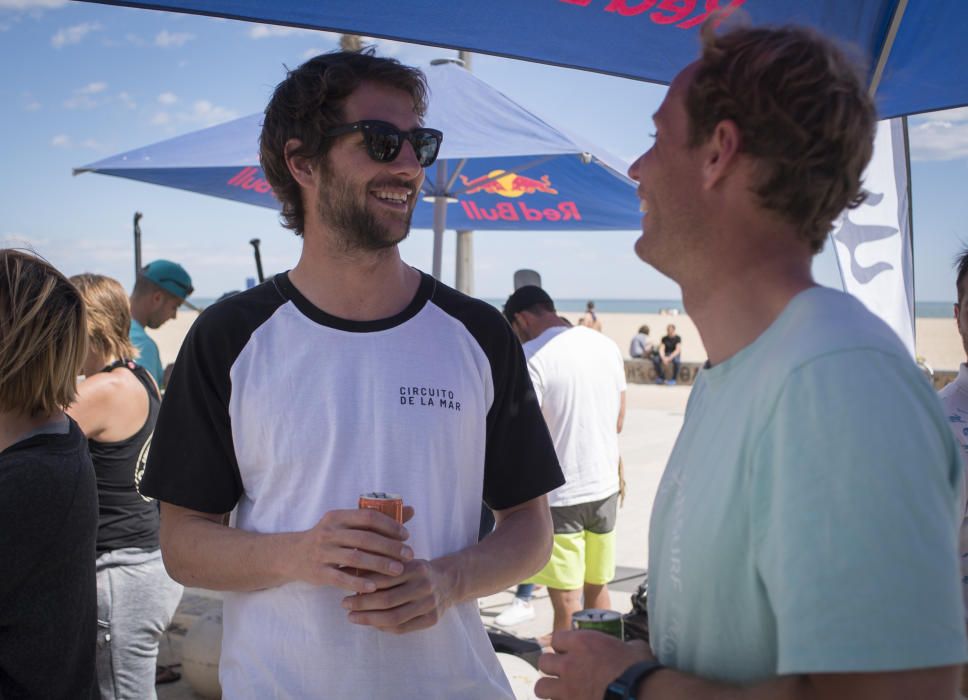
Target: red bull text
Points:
(248, 179)
(513, 185)
(668, 12)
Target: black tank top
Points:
(126, 518)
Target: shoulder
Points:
(821, 322)
(225, 327)
(482, 320)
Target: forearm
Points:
(202, 553)
(517, 548)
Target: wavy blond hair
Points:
(43, 335)
(108, 315)
(802, 112)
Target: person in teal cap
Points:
(161, 287)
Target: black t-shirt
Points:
(126, 518)
(670, 343)
(48, 590)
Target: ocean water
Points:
(922, 309)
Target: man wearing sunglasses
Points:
(352, 373)
(160, 288)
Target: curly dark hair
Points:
(309, 102)
(802, 112)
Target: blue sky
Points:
(82, 81)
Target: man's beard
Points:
(344, 210)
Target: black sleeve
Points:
(192, 462)
(520, 461)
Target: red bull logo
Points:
(669, 12)
(512, 185)
(248, 179)
(507, 185)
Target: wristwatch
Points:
(627, 685)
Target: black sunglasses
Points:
(383, 140)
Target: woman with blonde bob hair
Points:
(117, 405)
(48, 502)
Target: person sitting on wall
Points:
(670, 352)
(642, 345)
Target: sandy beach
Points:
(937, 338)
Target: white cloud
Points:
(271, 31)
(61, 141)
(940, 135)
(208, 114)
(91, 144)
(83, 99)
(166, 39)
(80, 102)
(202, 113)
(125, 99)
(92, 88)
(73, 35)
(135, 40)
(30, 4)
(167, 98)
(29, 102)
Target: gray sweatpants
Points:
(136, 600)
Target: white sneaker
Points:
(519, 611)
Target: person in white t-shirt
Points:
(352, 373)
(579, 379)
(954, 397)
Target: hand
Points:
(413, 600)
(345, 541)
(585, 663)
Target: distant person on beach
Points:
(642, 345)
(954, 398)
(670, 353)
(160, 288)
(579, 379)
(116, 407)
(590, 319)
(802, 542)
(48, 500)
(352, 373)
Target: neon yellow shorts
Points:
(583, 556)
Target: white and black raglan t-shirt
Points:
(279, 413)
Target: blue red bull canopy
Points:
(500, 166)
(915, 50)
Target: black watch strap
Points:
(627, 685)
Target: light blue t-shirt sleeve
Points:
(855, 519)
(148, 356)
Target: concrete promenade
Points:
(653, 419)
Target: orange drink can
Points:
(387, 503)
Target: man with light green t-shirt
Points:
(804, 537)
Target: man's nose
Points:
(406, 163)
(634, 169)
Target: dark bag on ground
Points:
(636, 621)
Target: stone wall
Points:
(643, 372)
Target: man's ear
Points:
(721, 152)
(300, 167)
